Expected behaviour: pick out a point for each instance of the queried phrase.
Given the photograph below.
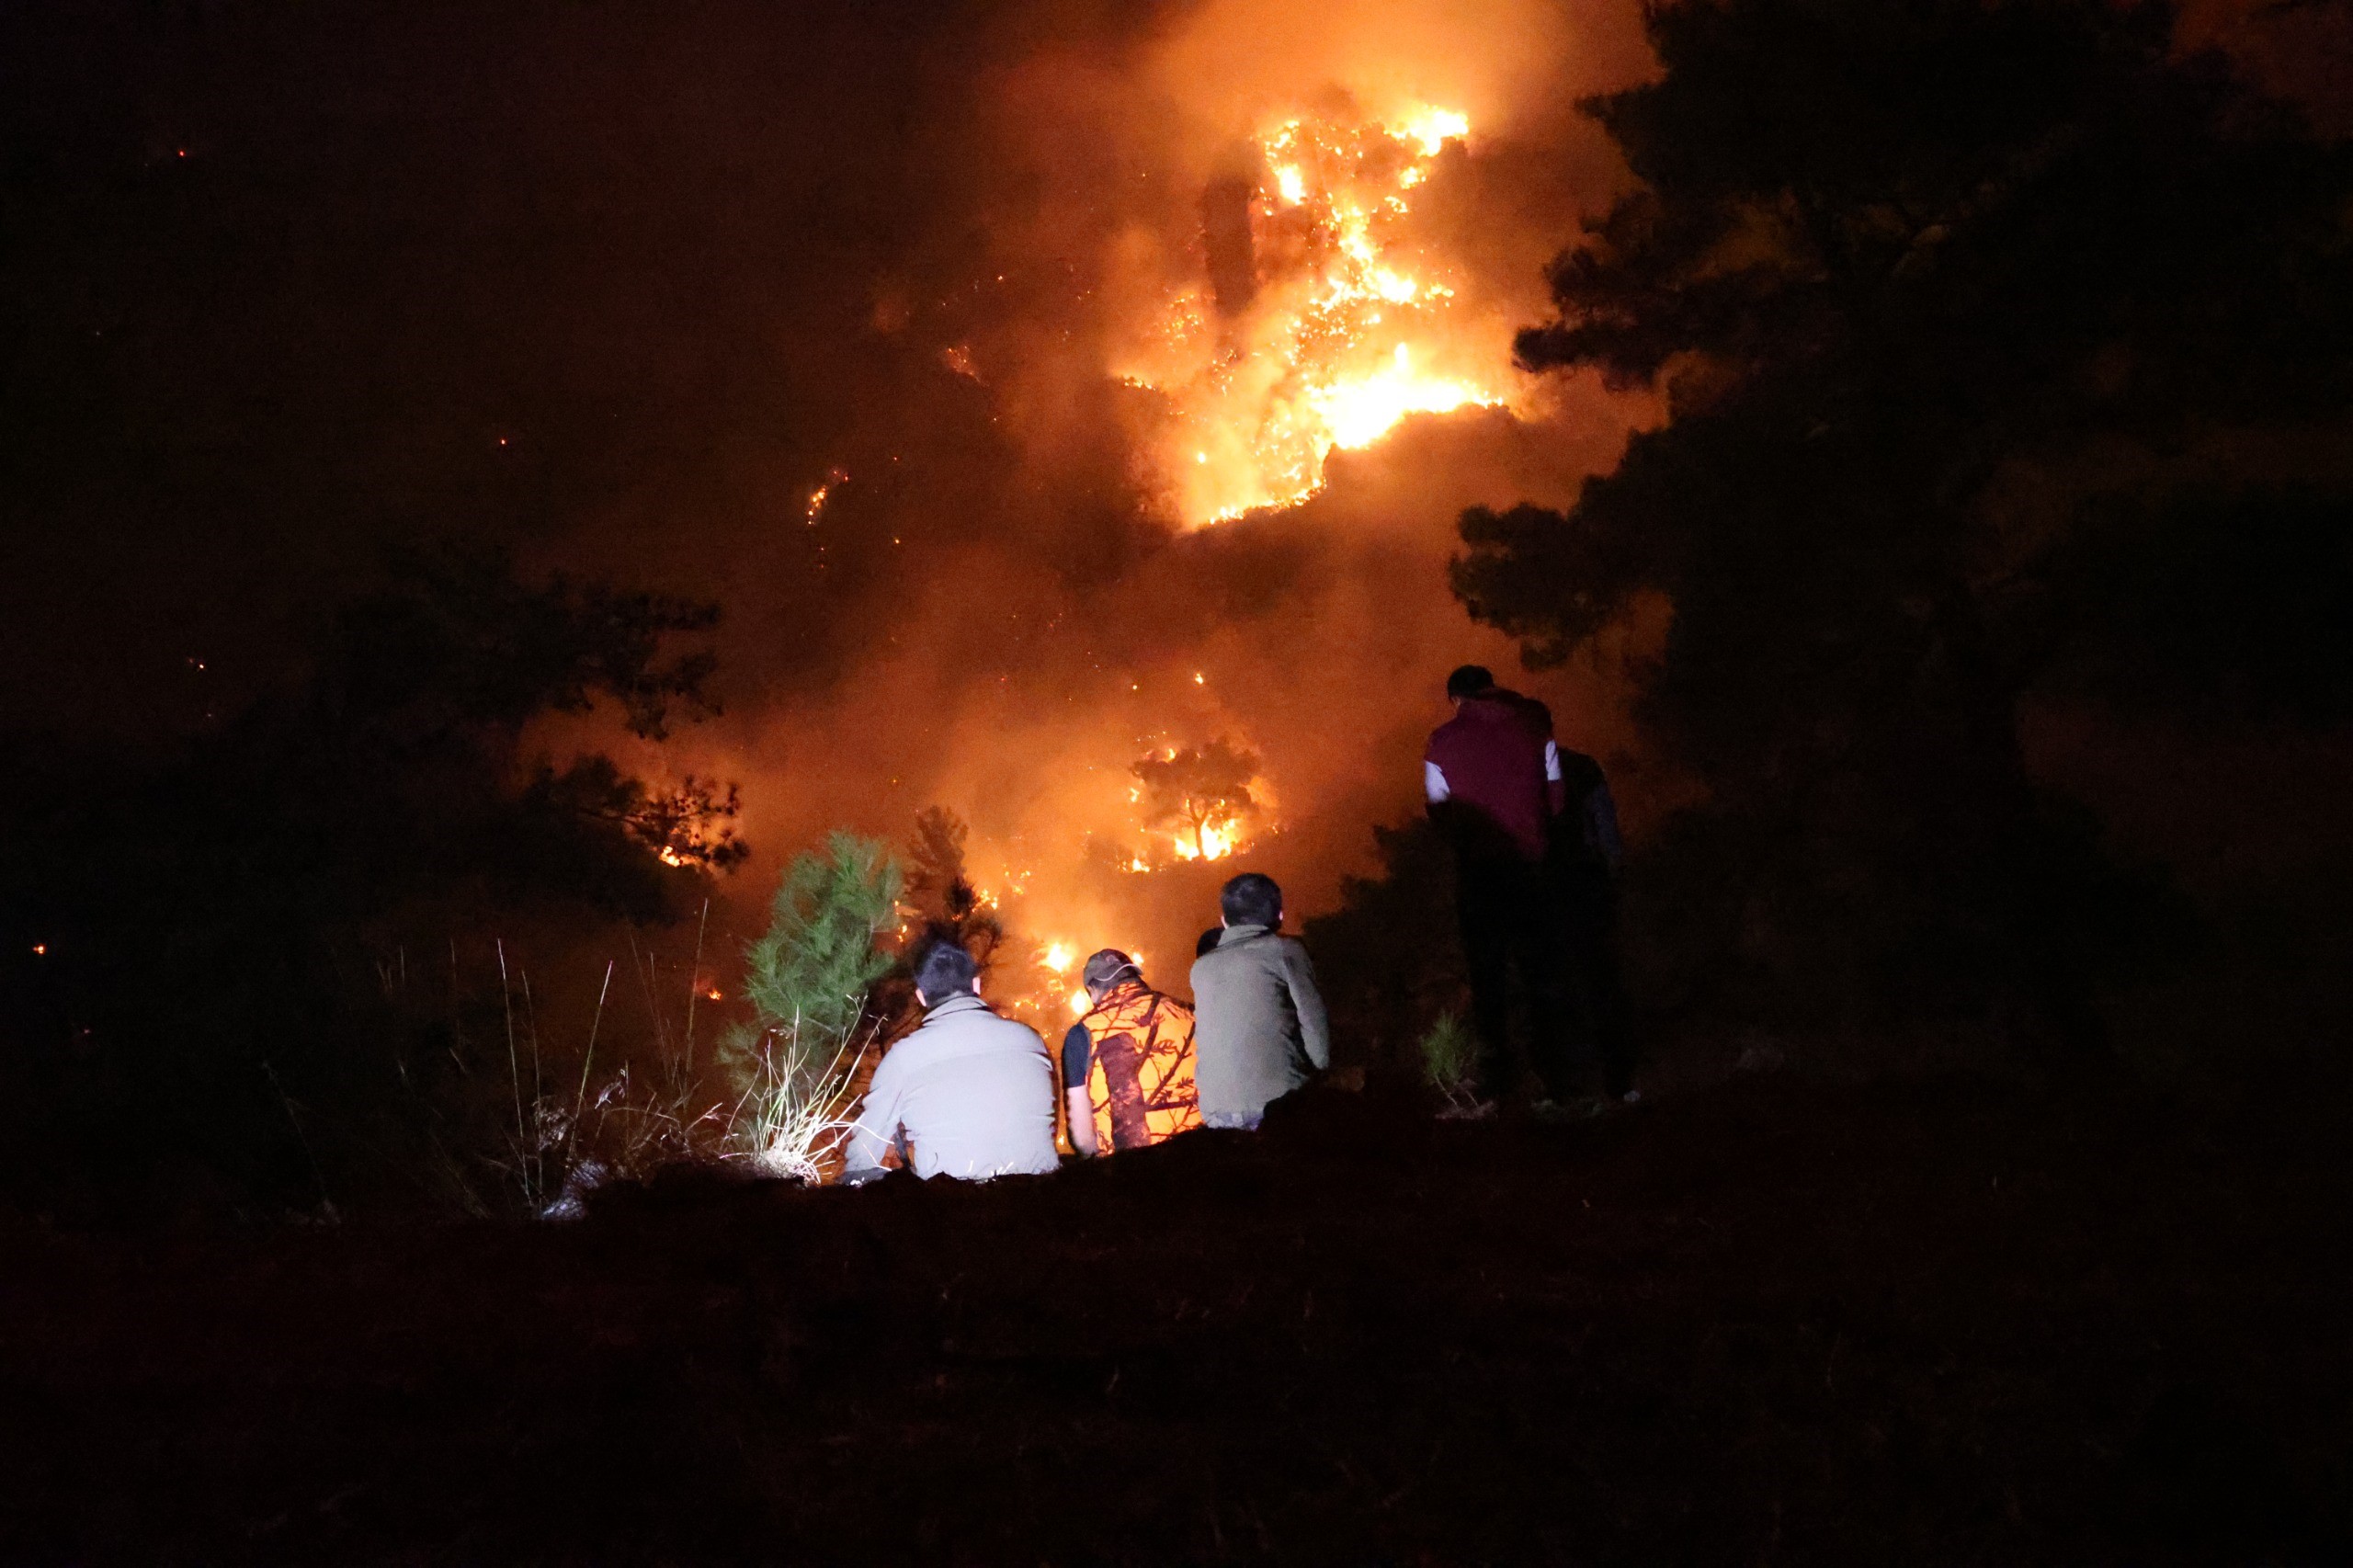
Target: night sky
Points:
(619, 286)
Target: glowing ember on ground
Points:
(1347, 331)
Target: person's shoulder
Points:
(1212, 963)
(1531, 711)
(897, 1057)
(1262, 949)
(1014, 1030)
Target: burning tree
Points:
(1201, 794)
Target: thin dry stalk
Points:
(514, 1067)
(326, 1204)
(641, 965)
(580, 1100)
(534, 1151)
(694, 981)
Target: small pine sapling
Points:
(1450, 1060)
(809, 977)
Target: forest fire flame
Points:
(1185, 806)
(1347, 327)
(1214, 841)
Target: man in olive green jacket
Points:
(1258, 1024)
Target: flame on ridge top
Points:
(1347, 328)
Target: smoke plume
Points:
(985, 590)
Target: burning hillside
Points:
(1320, 321)
(1260, 270)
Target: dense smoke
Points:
(633, 310)
(1013, 605)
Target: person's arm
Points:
(876, 1131)
(1314, 1025)
(1077, 1045)
(1435, 788)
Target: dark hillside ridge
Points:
(1919, 1322)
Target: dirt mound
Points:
(1927, 1322)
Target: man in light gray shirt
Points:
(1258, 1026)
(968, 1094)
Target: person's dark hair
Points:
(1470, 680)
(944, 969)
(1252, 899)
(1107, 968)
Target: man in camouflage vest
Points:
(1127, 1063)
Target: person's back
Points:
(1492, 775)
(1259, 1024)
(970, 1094)
(1127, 1063)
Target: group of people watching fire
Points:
(970, 1092)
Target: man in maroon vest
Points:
(1536, 848)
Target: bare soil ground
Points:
(1920, 1322)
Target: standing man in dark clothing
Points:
(1581, 860)
(1536, 847)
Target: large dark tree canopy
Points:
(1980, 201)
(1896, 268)
(200, 937)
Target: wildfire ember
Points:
(819, 497)
(1344, 333)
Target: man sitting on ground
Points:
(1260, 1026)
(1127, 1063)
(968, 1094)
